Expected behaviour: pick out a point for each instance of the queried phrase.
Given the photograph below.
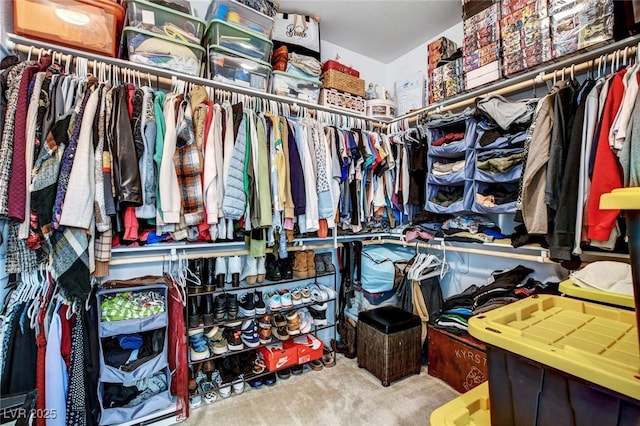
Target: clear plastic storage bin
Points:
(237, 13)
(237, 39)
(164, 21)
(229, 67)
(295, 86)
(145, 47)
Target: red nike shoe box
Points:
(276, 357)
(309, 347)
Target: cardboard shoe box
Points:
(460, 361)
(276, 357)
(307, 347)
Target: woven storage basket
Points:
(333, 79)
(343, 101)
(389, 356)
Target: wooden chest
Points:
(460, 361)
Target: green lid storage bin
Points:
(237, 39)
(161, 20)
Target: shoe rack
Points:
(197, 293)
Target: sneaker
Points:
(247, 307)
(273, 301)
(320, 306)
(258, 365)
(331, 294)
(265, 321)
(319, 317)
(249, 270)
(262, 270)
(213, 333)
(327, 258)
(319, 263)
(279, 320)
(264, 334)
(293, 323)
(280, 333)
(210, 394)
(195, 401)
(220, 346)
(238, 386)
(306, 321)
(256, 383)
(225, 391)
(316, 364)
(269, 379)
(250, 334)
(284, 374)
(318, 294)
(296, 297)
(234, 339)
(297, 369)
(285, 299)
(198, 354)
(260, 306)
(306, 294)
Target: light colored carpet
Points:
(341, 395)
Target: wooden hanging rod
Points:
(166, 78)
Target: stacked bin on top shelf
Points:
(134, 370)
(238, 40)
(498, 164)
(162, 37)
(449, 164)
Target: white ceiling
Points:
(382, 30)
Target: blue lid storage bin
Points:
(240, 14)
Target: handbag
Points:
(300, 33)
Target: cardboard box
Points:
(308, 348)
(483, 75)
(276, 357)
(460, 361)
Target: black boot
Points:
(232, 305)
(220, 307)
(209, 280)
(207, 309)
(194, 314)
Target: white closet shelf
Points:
(165, 252)
(528, 80)
(24, 45)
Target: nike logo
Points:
(282, 361)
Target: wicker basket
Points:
(389, 356)
(333, 79)
(343, 101)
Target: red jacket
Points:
(607, 174)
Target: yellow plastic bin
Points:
(469, 409)
(628, 200)
(569, 288)
(561, 361)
